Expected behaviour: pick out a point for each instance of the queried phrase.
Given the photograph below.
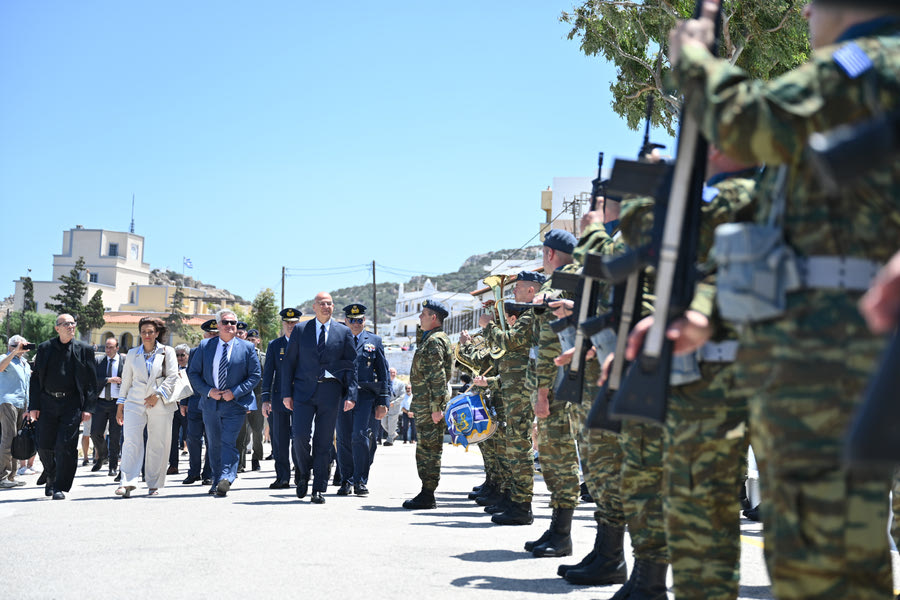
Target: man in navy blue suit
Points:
(224, 371)
(272, 400)
(319, 381)
(355, 427)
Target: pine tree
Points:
(264, 316)
(28, 304)
(91, 316)
(175, 320)
(70, 299)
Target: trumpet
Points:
(496, 283)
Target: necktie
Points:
(223, 367)
(320, 346)
(356, 340)
(108, 386)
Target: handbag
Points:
(24, 445)
(182, 387)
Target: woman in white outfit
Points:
(148, 379)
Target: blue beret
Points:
(531, 276)
(290, 314)
(355, 310)
(438, 308)
(560, 240)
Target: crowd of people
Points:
(789, 381)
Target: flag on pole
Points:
(188, 263)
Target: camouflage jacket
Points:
(542, 371)
(480, 358)
(518, 339)
(430, 370)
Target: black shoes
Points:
(388, 444)
(172, 471)
(113, 471)
(559, 543)
(119, 477)
(516, 513)
(605, 564)
(279, 485)
(212, 490)
(42, 478)
(206, 481)
(190, 479)
(529, 546)
(423, 501)
(344, 490)
(48, 489)
(85, 462)
(317, 498)
(302, 488)
(361, 490)
(222, 488)
(97, 466)
(254, 465)
(269, 457)
(57, 495)
(647, 582)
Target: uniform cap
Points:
(560, 240)
(210, 326)
(290, 314)
(355, 310)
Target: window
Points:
(93, 278)
(113, 249)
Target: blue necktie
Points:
(320, 349)
(223, 367)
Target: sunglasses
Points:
(228, 322)
(180, 355)
(360, 320)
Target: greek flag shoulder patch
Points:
(853, 60)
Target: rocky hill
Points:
(463, 279)
(158, 277)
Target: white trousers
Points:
(158, 421)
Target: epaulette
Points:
(853, 60)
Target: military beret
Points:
(436, 307)
(253, 333)
(242, 326)
(355, 310)
(290, 314)
(560, 240)
(210, 326)
(531, 276)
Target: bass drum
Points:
(469, 419)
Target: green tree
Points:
(264, 316)
(176, 318)
(765, 37)
(28, 304)
(91, 316)
(35, 327)
(70, 299)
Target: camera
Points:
(28, 346)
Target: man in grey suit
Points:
(319, 380)
(224, 370)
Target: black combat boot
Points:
(424, 500)
(489, 495)
(499, 506)
(529, 546)
(516, 513)
(608, 565)
(560, 541)
(477, 489)
(561, 570)
(651, 581)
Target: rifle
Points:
(643, 394)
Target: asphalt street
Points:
(258, 542)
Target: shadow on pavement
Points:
(455, 524)
(508, 584)
(491, 556)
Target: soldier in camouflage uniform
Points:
(823, 524)
(559, 459)
(518, 341)
(429, 374)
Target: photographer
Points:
(15, 374)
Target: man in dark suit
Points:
(319, 380)
(355, 431)
(62, 394)
(272, 401)
(224, 371)
(109, 377)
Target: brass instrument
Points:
(477, 340)
(496, 283)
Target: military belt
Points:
(719, 352)
(836, 272)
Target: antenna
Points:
(131, 230)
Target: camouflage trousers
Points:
(601, 466)
(428, 449)
(495, 460)
(642, 489)
(824, 526)
(703, 456)
(519, 422)
(559, 459)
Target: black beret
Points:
(560, 240)
(438, 308)
(531, 276)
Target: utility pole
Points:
(282, 288)
(374, 301)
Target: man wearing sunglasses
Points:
(224, 371)
(62, 395)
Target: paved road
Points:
(263, 543)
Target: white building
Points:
(409, 305)
(114, 261)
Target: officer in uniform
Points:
(273, 407)
(824, 525)
(429, 375)
(355, 434)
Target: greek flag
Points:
(188, 263)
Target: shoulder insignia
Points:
(853, 60)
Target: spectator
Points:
(15, 374)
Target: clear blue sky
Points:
(300, 134)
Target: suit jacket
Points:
(137, 384)
(372, 368)
(302, 363)
(243, 372)
(193, 401)
(85, 376)
(101, 372)
(271, 379)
